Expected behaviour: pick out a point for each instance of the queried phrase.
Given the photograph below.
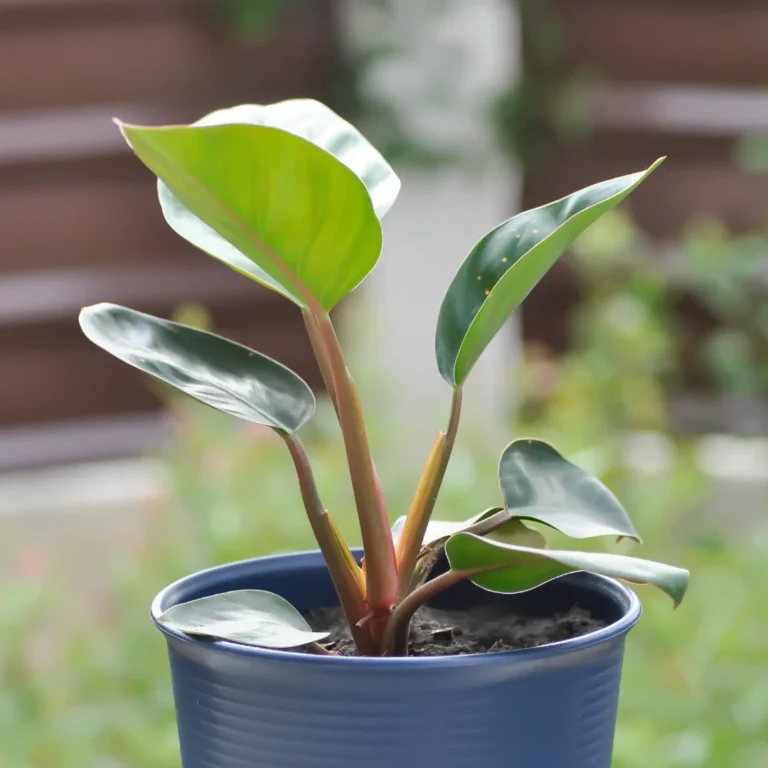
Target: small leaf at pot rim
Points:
(220, 373)
(540, 484)
(246, 616)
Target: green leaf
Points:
(307, 119)
(503, 268)
(218, 372)
(513, 531)
(539, 484)
(248, 616)
(271, 205)
(317, 123)
(507, 568)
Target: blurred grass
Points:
(95, 692)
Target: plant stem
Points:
(420, 511)
(380, 561)
(395, 639)
(344, 572)
(315, 339)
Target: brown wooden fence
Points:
(79, 221)
(682, 78)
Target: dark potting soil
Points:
(482, 629)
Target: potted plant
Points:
(515, 656)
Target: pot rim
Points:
(618, 592)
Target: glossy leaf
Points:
(507, 568)
(317, 123)
(539, 484)
(503, 268)
(218, 372)
(269, 204)
(248, 616)
(513, 531)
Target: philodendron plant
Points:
(291, 196)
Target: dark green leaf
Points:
(271, 205)
(539, 484)
(507, 263)
(216, 371)
(507, 568)
(248, 616)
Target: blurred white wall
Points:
(452, 59)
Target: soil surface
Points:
(482, 629)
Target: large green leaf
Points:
(508, 568)
(507, 263)
(317, 123)
(218, 372)
(248, 616)
(310, 120)
(276, 207)
(513, 531)
(539, 484)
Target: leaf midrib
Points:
(260, 242)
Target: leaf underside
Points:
(314, 121)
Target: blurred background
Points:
(643, 355)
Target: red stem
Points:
(395, 639)
(380, 561)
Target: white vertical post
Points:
(454, 59)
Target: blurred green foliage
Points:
(94, 691)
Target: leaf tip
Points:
(680, 593)
(124, 129)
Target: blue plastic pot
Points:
(548, 707)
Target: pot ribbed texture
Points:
(548, 707)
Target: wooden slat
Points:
(57, 295)
(161, 59)
(90, 223)
(679, 109)
(73, 440)
(699, 179)
(721, 43)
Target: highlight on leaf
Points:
(216, 371)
